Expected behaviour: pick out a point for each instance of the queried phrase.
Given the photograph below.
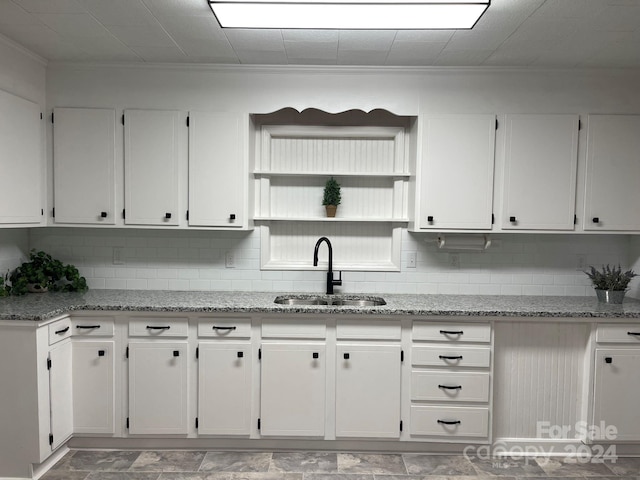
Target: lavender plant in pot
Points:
(610, 283)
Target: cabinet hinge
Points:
(42, 212)
(196, 422)
(127, 423)
(124, 213)
(258, 424)
(53, 212)
(51, 439)
(126, 354)
(402, 355)
(197, 354)
(52, 117)
(187, 121)
(493, 219)
(579, 124)
(123, 119)
(575, 219)
(496, 123)
(187, 214)
(259, 354)
(40, 115)
(49, 364)
(400, 425)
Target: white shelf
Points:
(329, 219)
(269, 173)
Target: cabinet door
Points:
(368, 391)
(292, 400)
(151, 167)
(218, 169)
(613, 169)
(83, 165)
(541, 155)
(224, 388)
(21, 163)
(158, 387)
(61, 392)
(616, 387)
(93, 387)
(456, 172)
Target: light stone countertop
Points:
(45, 306)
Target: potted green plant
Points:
(43, 273)
(331, 198)
(610, 283)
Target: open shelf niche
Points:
(367, 153)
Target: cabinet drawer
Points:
(618, 333)
(60, 330)
(295, 328)
(158, 327)
(452, 332)
(446, 356)
(441, 421)
(380, 330)
(224, 327)
(93, 326)
(450, 387)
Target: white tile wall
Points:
(516, 264)
(14, 248)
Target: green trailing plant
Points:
(610, 278)
(331, 193)
(45, 273)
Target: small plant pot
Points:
(331, 210)
(610, 296)
(37, 288)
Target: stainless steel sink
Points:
(359, 302)
(300, 301)
(350, 301)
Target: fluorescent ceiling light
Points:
(349, 14)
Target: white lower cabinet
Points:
(158, 387)
(224, 388)
(93, 387)
(368, 390)
(60, 392)
(292, 389)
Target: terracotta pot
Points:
(331, 210)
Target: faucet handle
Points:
(339, 280)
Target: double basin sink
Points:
(342, 301)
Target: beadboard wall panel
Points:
(539, 376)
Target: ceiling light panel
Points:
(349, 14)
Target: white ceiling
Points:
(540, 33)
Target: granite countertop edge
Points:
(46, 306)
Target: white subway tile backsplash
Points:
(516, 264)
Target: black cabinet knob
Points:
(512, 219)
(101, 353)
(240, 354)
(232, 216)
(315, 355)
(608, 360)
(596, 219)
(346, 356)
(176, 353)
(430, 218)
(103, 214)
(167, 216)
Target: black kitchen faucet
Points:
(330, 280)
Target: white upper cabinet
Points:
(612, 174)
(151, 167)
(541, 154)
(455, 172)
(20, 160)
(83, 165)
(218, 170)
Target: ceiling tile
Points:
(142, 36)
(44, 41)
(362, 40)
(193, 28)
(119, 12)
(50, 6)
(462, 57)
(160, 54)
(414, 53)
(616, 19)
(12, 14)
(264, 57)
(477, 40)
(571, 9)
(179, 8)
(73, 24)
(323, 36)
(436, 36)
(258, 40)
(361, 57)
(322, 51)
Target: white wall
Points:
(521, 264)
(634, 263)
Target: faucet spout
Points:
(330, 280)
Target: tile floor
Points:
(200, 465)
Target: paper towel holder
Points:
(464, 242)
